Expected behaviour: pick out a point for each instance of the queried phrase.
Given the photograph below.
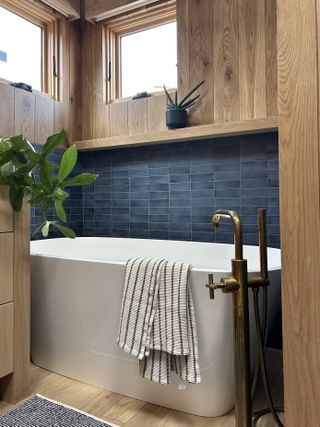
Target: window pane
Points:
(21, 44)
(149, 60)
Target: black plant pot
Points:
(176, 119)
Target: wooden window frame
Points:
(133, 22)
(39, 14)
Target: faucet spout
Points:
(237, 228)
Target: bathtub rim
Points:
(123, 263)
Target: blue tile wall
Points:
(171, 191)
(73, 205)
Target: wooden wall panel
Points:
(58, 117)
(75, 87)
(299, 149)
(43, 118)
(252, 59)
(87, 80)
(157, 106)
(62, 112)
(201, 59)
(241, 79)
(183, 56)
(100, 110)
(119, 118)
(271, 57)
(231, 44)
(226, 60)
(25, 113)
(6, 110)
(138, 116)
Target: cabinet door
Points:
(6, 339)
(6, 213)
(6, 267)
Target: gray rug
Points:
(41, 412)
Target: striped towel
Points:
(157, 322)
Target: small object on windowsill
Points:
(23, 86)
(140, 95)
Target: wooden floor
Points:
(129, 412)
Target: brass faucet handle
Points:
(229, 284)
(213, 286)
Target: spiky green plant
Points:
(186, 102)
(30, 173)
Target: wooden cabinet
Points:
(6, 341)
(6, 267)
(6, 214)
(14, 300)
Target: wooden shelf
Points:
(242, 127)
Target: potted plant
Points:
(30, 173)
(176, 114)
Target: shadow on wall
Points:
(171, 191)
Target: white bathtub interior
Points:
(76, 299)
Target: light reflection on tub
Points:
(76, 299)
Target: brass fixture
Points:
(238, 284)
(237, 228)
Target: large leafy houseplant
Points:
(176, 115)
(45, 183)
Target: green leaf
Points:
(60, 194)
(5, 157)
(45, 228)
(66, 231)
(53, 142)
(6, 170)
(60, 210)
(191, 92)
(19, 144)
(171, 104)
(45, 173)
(82, 179)
(24, 170)
(189, 103)
(5, 145)
(16, 198)
(68, 162)
(35, 157)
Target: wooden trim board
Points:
(226, 129)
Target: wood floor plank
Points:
(127, 412)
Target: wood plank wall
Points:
(231, 44)
(37, 115)
(299, 142)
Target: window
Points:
(21, 44)
(142, 52)
(29, 45)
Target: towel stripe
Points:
(157, 322)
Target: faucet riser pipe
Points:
(241, 334)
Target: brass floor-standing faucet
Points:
(238, 284)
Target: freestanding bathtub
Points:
(76, 299)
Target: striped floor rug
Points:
(42, 412)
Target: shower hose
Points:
(261, 326)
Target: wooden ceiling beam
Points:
(68, 8)
(98, 10)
